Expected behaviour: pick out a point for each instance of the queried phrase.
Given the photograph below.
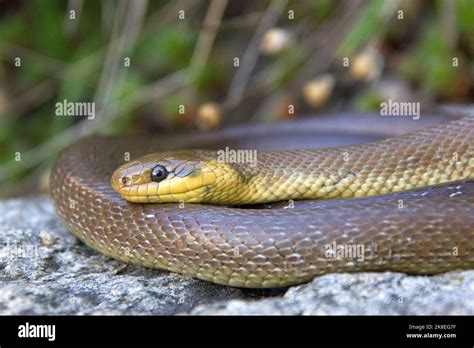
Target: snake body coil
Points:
(426, 230)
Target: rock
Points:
(364, 293)
(46, 270)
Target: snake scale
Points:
(405, 204)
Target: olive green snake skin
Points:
(426, 230)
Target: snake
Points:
(281, 217)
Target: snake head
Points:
(178, 176)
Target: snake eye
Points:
(158, 173)
(125, 180)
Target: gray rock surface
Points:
(363, 293)
(46, 270)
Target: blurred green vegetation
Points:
(63, 60)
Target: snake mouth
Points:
(191, 196)
(156, 193)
